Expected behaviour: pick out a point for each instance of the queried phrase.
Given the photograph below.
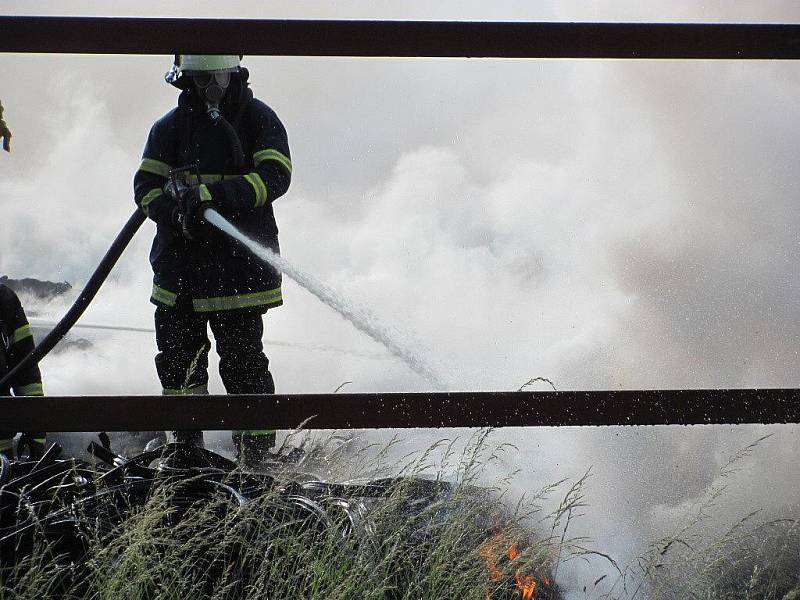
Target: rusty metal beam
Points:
(125, 35)
(357, 411)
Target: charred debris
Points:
(36, 288)
(187, 520)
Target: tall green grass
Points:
(444, 529)
(754, 558)
(405, 545)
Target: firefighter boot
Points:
(182, 454)
(31, 446)
(253, 448)
(156, 442)
(194, 438)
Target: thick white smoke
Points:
(606, 224)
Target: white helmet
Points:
(194, 63)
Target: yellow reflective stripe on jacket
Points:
(151, 165)
(148, 198)
(240, 301)
(163, 296)
(205, 195)
(270, 154)
(6, 444)
(204, 178)
(254, 179)
(189, 391)
(21, 333)
(31, 389)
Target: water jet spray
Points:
(360, 317)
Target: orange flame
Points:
(526, 584)
(488, 551)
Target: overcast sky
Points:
(604, 224)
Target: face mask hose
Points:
(233, 141)
(84, 299)
(212, 88)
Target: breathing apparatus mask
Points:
(209, 73)
(211, 86)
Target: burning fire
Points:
(525, 583)
(490, 551)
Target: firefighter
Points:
(5, 132)
(201, 278)
(16, 342)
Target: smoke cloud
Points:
(605, 224)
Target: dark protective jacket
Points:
(212, 270)
(16, 342)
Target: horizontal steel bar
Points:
(366, 411)
(125, 35)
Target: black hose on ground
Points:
(84, 299)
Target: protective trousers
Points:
(182, 360)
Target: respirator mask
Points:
(211, 86)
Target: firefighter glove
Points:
(195, 200)
(5, 135)
(176, 219)
(175, 190)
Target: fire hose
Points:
(85, 298)
(92, 286)
(110, 259)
